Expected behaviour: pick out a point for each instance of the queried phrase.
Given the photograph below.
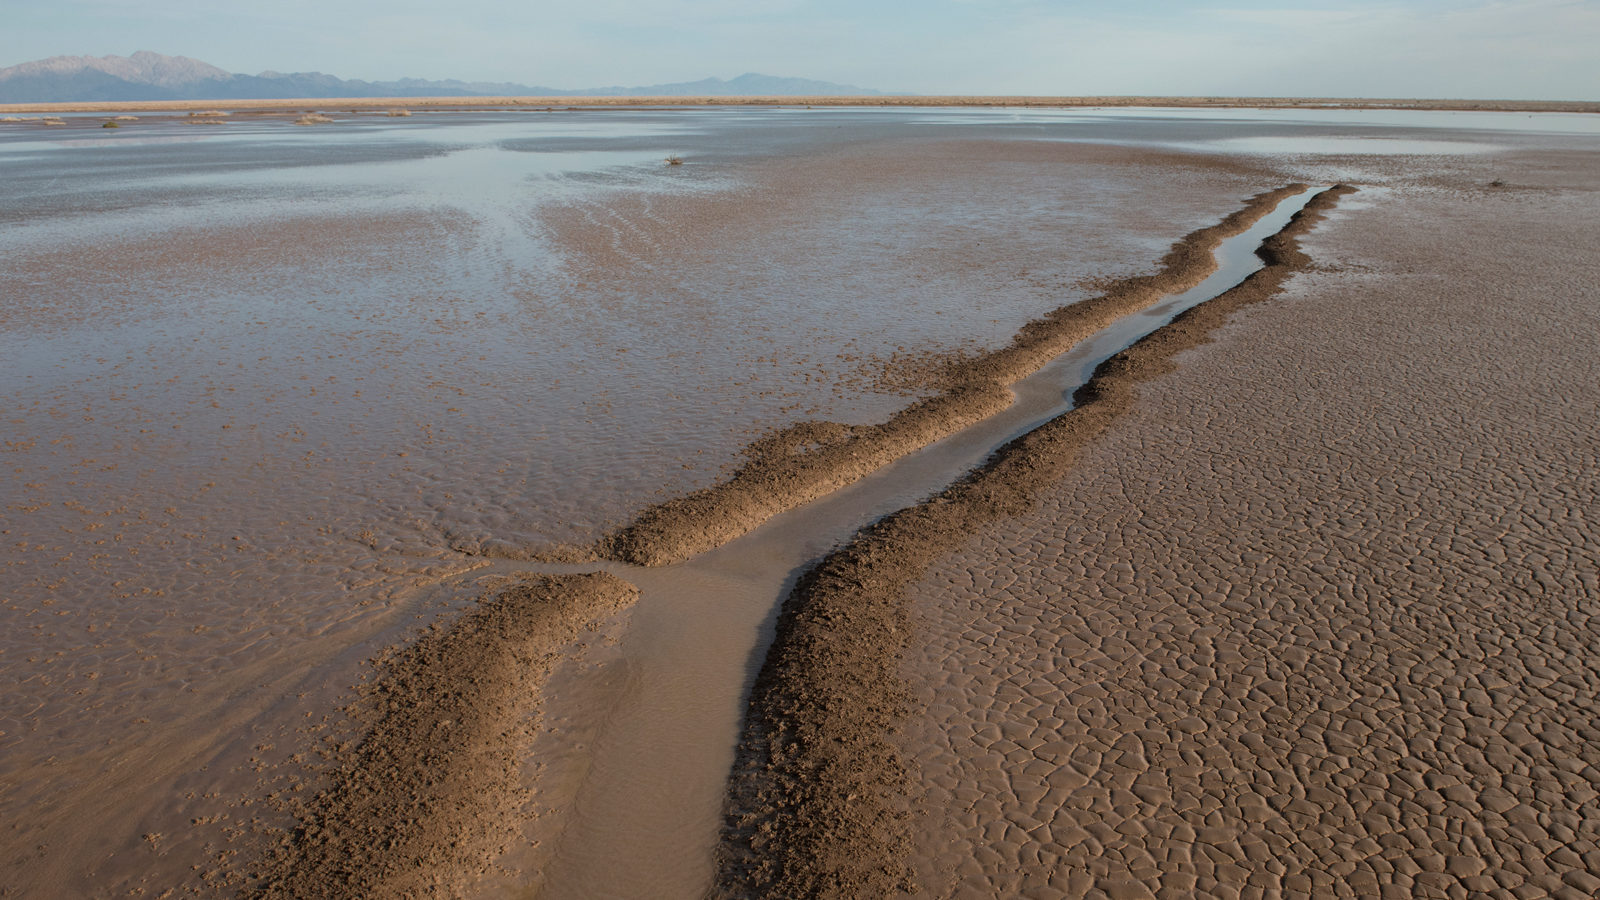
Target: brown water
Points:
(259, 383)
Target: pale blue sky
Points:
(1533, 49)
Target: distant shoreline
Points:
(367, 103)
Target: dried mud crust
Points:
(816, 802)
(811, 459)
(1319, 617)
(431, 793)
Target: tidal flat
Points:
(277, 399)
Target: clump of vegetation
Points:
(110, 123)
(312, 119)
(674, 160)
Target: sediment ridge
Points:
(807, 460)
(430, 794)
(817, 799)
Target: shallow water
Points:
(262, 385)
(1157, 123)
(1292, 132)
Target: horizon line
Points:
(842, 100)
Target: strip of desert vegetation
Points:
(286, 105)
(808, 460)
(817, 799)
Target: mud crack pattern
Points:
(1318, 618)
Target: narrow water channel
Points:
(647, 738)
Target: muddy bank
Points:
(396, 854)
(810, 459)
(816, 801)
(431, 793)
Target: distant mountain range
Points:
(152, 76)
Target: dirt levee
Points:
(431, 793)
(810, 459)
(816, 802)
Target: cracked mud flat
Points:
(1320, 617)
(1316, 616)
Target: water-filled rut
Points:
(630, 794)
(820, 795)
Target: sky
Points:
(1490, 49)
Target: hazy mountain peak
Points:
(153, 76)
(143, 67)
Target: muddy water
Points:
(643, 735)
(259, 383)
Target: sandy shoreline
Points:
(288, 105)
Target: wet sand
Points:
(251, 455)
(1314, 615)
